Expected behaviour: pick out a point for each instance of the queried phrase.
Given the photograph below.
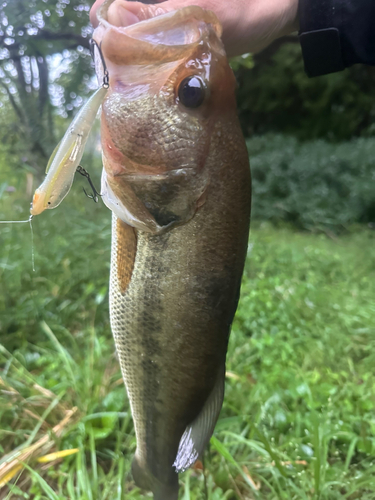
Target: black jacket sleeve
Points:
(335, 34)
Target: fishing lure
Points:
(68, 153)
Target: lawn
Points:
(298, 420)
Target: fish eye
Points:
(191, 92)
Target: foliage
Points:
(297, 421)
(276, 95)
(245, 61)
(315, 184)
(31, 36)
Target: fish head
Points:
(169, 84)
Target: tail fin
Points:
(147, 481)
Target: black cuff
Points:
(321, 51)
(335, 34)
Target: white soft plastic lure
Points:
(67, 156)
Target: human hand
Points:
(248, 25)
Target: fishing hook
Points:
(93, 44)
(95, 194)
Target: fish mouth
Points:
(164, 38)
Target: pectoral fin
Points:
(199, 432)
(126, 251)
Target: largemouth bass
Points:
(176, 176)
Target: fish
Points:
(66, 157)
(176, 177)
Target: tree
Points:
(41, 41)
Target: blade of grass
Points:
(350, 454)
(43, 484)
(56, 455)
(187, 486)
(94, 466)
(67, 359)
(120, 477)
(222, 450)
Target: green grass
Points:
(298, 420)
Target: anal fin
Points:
(198, 433)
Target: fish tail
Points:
(144, 479)
(166, 493)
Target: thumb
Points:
(124, 13)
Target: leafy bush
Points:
(313, 184)
(276, 95)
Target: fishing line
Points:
(16, 221)
(32, 235)
(32, 244)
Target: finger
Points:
(94, 8)
(124, 13)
